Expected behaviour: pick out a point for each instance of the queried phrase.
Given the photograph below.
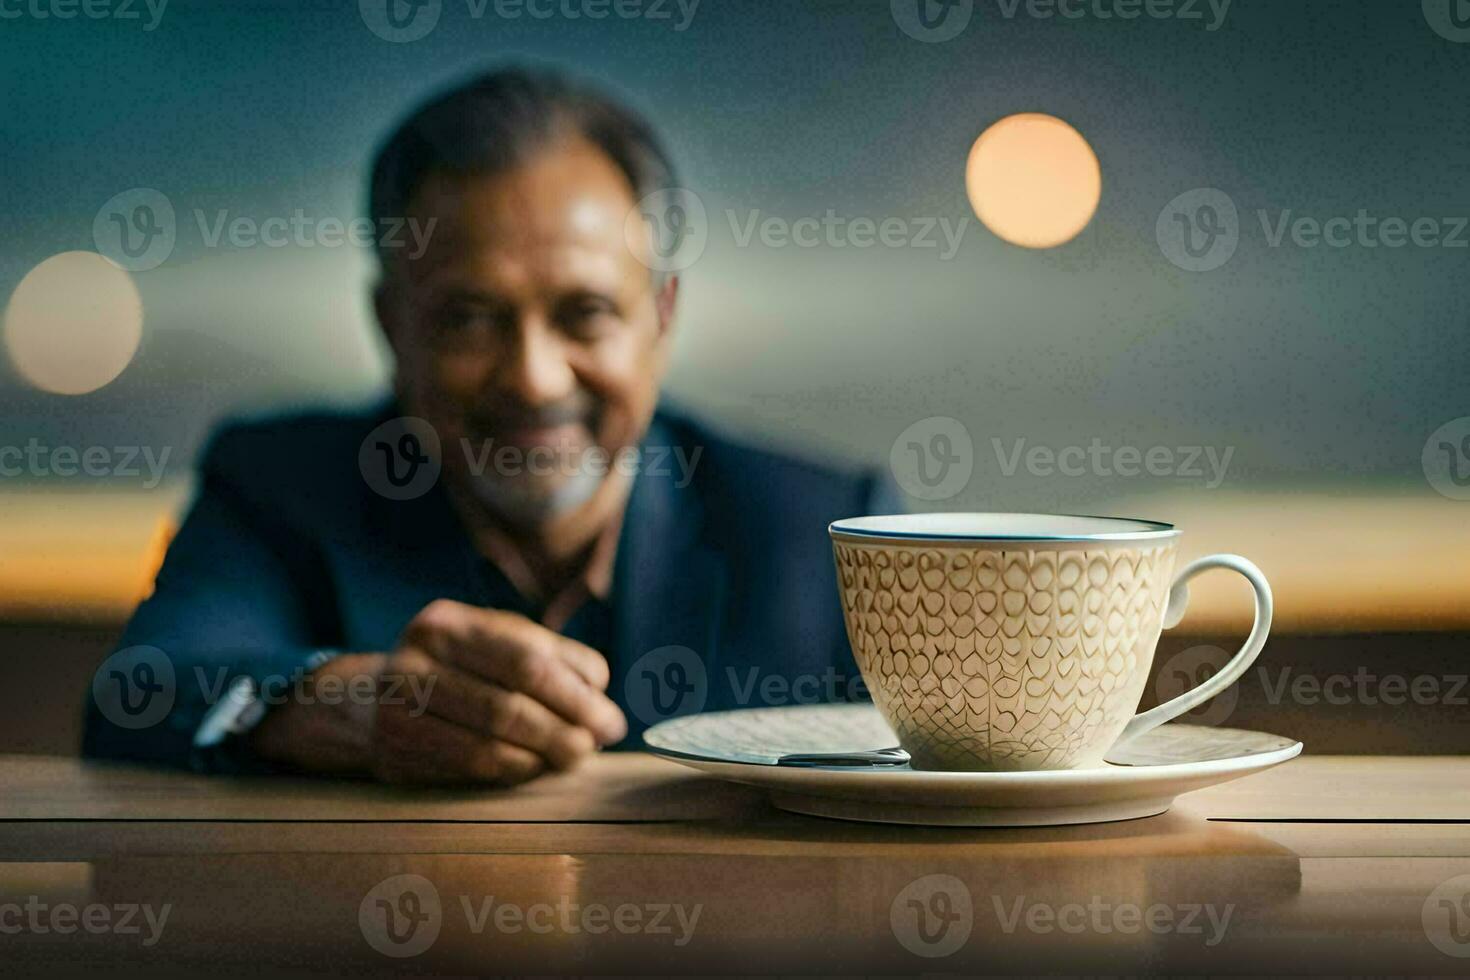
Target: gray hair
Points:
(496, 121)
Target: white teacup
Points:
(1019, 641)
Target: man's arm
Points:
(224, 607)
(497, 698)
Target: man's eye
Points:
(461, 325)
(464, 318)
(588, 318)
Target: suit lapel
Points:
(409, 553)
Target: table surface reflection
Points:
(633, 865)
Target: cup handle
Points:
(1174, 611)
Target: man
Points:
(519, 560)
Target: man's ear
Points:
(665, 302)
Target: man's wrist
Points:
(325, 734)
(220, 740)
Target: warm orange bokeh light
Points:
(1033, 180)
(66, 556)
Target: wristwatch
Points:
(219, 743)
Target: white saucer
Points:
(1139, 780)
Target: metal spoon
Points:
(872, 757)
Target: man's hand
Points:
(470, 695)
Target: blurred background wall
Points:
(1327, 376)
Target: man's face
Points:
(528, 331)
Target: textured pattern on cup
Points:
(986, 658)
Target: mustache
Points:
(510, 416)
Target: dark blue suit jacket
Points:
(723, 594)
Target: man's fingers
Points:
(444, 626)
(550, 681)
(503, 763)
(590, 665)
(519, 655)
(509, 716)
(428, 748)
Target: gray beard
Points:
(523, 503)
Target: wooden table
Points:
(1326, 865)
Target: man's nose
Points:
(535, 368)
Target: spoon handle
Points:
(873, 757)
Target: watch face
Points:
(236, 713)
(219, 742)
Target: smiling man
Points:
(521, 558)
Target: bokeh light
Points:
(73, 323)
(1033, 180)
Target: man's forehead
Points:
(564, 196)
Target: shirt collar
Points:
(593, 581)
